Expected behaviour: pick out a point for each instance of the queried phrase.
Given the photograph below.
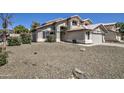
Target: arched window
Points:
(63, 28)
(86, 24)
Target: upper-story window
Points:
(63, 28)
(86, 24)
(74, 23)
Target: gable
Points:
(87, 22)
(74, 19)
(99, 30)
(111, 27)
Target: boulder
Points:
(78, 74)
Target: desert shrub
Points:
(14, 41)
(51, 38)
(3, 58)
(26, 38)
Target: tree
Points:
(34, 26)
(5, 22)
(120, 25)
(20, 29)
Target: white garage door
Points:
(97, 38)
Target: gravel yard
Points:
(57, 61)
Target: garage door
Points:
(97, 38)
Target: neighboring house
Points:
(113, 33)
(77, 30)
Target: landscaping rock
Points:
(78, 74)
(82, 49)
(34, 64)
(35, 53)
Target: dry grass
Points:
(56, 60)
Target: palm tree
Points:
(6, 21)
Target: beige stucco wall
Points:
(96, 36)
(39, 33)
(86, 38)
(79, 36)
(57, 28)
(70, 26)
(40, 37)
(110, 36)
(118, 37)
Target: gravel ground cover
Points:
(57, 61)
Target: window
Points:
(74, 23)
(61, 28)
(45, 34)
(51, 33)
(86, 24)
(88, 35)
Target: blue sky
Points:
(27, 18)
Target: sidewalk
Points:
(113, 44)
(103, 44)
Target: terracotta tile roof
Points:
(51, 22)
(88, 27)
(93, 26)
(55, 20)
(58, 20)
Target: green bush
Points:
(14, 41)
(51, 38)
(26, 38)
(3, 58)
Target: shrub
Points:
(51, 38)
(14, 41)
(26, 38)
(3, 58)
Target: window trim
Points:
(45, 34)
(74, 22)
(88, 35)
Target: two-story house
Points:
(75, 30)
